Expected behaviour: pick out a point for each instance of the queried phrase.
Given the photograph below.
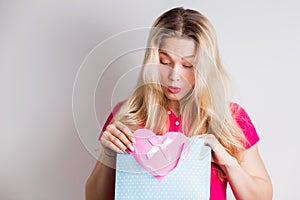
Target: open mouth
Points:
(173, 89)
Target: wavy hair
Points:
(207, 108)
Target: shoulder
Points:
(245, 123)
(236, 109)
(239, 114)
(117, 107)
(113, 112)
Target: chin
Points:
(173, 97)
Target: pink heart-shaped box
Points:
(159, 155)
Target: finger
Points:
(120, 136)
(108, 146)
(201, 136)
(211, 140)
(125, 130)
(113, 143)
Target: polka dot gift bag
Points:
(171, 166)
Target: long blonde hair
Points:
(206, 109)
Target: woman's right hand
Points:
(117, 138)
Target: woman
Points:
(182, 87)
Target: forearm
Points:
(245, 186)
(101, 182)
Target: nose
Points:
(173, 74)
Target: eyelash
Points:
(190, 66)
(165, 63)
(168, 63)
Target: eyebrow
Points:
(184, 57)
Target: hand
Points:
(219, 155)
(117, 138)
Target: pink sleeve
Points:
(245, 123)
(110, 117)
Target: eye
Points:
(165, 62)
(188, 66)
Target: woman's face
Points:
(176, 67)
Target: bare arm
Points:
(101, 183)
(249, 179)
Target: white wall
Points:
(45, 154)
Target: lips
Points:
(173, 89)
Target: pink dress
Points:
(217, 186)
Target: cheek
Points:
(163, 72)
(189, 78)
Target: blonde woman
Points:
(182, 87)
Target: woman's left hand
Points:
(219, 155)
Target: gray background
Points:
(47, 150)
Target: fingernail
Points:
(120, 151)
(133, 140)
(131, 148)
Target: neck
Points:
(175, 107)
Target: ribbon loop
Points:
(159, 147)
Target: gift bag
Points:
(164, 167)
